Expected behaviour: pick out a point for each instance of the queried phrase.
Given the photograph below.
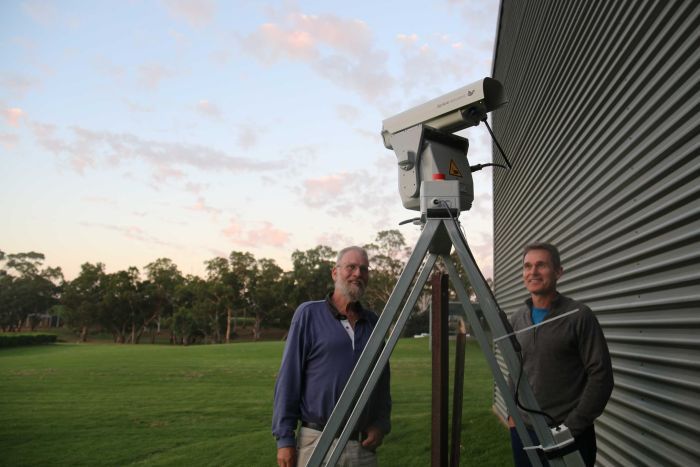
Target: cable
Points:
(477, 167)
(409, 220)
(488, 127)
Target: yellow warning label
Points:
(454, 170)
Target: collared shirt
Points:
(318, 360)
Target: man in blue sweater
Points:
(324, 342)
(565, 356)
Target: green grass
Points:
(120, 405)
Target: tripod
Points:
(439, 234)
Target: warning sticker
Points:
(454, 170)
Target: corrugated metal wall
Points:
(602, 128)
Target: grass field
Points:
(208, 405)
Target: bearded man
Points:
(325, 340)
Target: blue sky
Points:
(135, 130)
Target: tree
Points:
(312, 273)
(245, 268)
(82, 297)
(266, 292)
(28, 294)
(225, 287)
(194, 307)
(124, 307)
(387, 255)
(164, 278)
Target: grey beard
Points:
(350, 291)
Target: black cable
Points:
(488, 127)
(477, 167)
(409, 220)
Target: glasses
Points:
(350, 268)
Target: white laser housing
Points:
(423, 142)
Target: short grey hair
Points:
(342, 252)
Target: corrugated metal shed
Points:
(603, 129)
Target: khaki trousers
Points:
(354, 455)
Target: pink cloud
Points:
(13, 116)
(265, 235)
(201, 206)
(338, 49)
(318, 191)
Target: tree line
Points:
(134, 305)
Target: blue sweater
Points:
(317, 362)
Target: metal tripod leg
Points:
(370, 364)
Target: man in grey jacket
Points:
(565, 358)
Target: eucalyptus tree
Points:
(312, 273)
(387, 254)
(191, 318)
(266, 293)
(225, 288)
(27, 291)
(163, 279)
(124, 307)
(82, 298)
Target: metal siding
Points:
(602, 127)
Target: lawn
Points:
(207, 405)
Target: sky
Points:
(134, 130)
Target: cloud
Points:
(208, 109)
(264, 235)
(338, 49)
(137, 107)
(100, 200)
(196, 13)
(17, 85)
(318, 191)
(151, 74)
(201, 206)
(247, 136)
(348, 113)
(42, 12)
(105, 66)
(9, 140)
(133, 232)
(13, 116)
(83, 148)
(337, 240)
(348, 194)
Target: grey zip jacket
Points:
(566, 362)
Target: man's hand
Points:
(375, 436)
(286, 457)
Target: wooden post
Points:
(458, 395)
(440, 345)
